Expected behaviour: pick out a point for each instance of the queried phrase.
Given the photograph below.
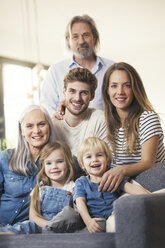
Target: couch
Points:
(140, 222)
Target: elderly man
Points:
(82, 38)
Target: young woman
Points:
(53, 191)
(94, 157)
(133, 127)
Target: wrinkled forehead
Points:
(35, 115)
(80, 27)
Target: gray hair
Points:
(21, 155)
(87, 19)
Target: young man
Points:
(79, 121)
(82, 39)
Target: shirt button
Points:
(23, 201)
(68, 193)
(16, 211)
(30, 188)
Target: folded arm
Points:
(112, 178)
(134, 189)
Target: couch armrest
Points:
(140, 221)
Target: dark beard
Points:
(79, 113)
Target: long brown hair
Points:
(46, 151)
(139, 104)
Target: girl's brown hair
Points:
(46, 151)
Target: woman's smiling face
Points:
(35, 129)
(120, 90)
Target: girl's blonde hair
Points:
(46, 151)
(139, 104)
(93, 143)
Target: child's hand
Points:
(93, 226)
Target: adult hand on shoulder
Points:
(111, 179)
(60, 111)
(58, 115)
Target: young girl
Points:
(94, 157)
(133, 127)
(53, 191)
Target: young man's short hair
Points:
(81, 75)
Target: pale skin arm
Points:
(134, 189)
(91, 223)
(111, 179)
(60, 111)
(34, 217)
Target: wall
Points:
(130, 30)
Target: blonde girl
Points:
(53, 190)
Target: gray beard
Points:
(84, 54)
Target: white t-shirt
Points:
(69, 186)
(92, 126)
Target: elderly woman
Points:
(19, 166)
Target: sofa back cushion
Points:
(152, 179)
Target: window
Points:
(20, 85)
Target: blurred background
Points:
(32, 38)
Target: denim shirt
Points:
(14, 191)
(53, 200)
(99, 204)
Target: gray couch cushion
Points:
(152, 179)
(56, 240)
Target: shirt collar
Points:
(73, 64)
(98, 65)
(99, 60)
